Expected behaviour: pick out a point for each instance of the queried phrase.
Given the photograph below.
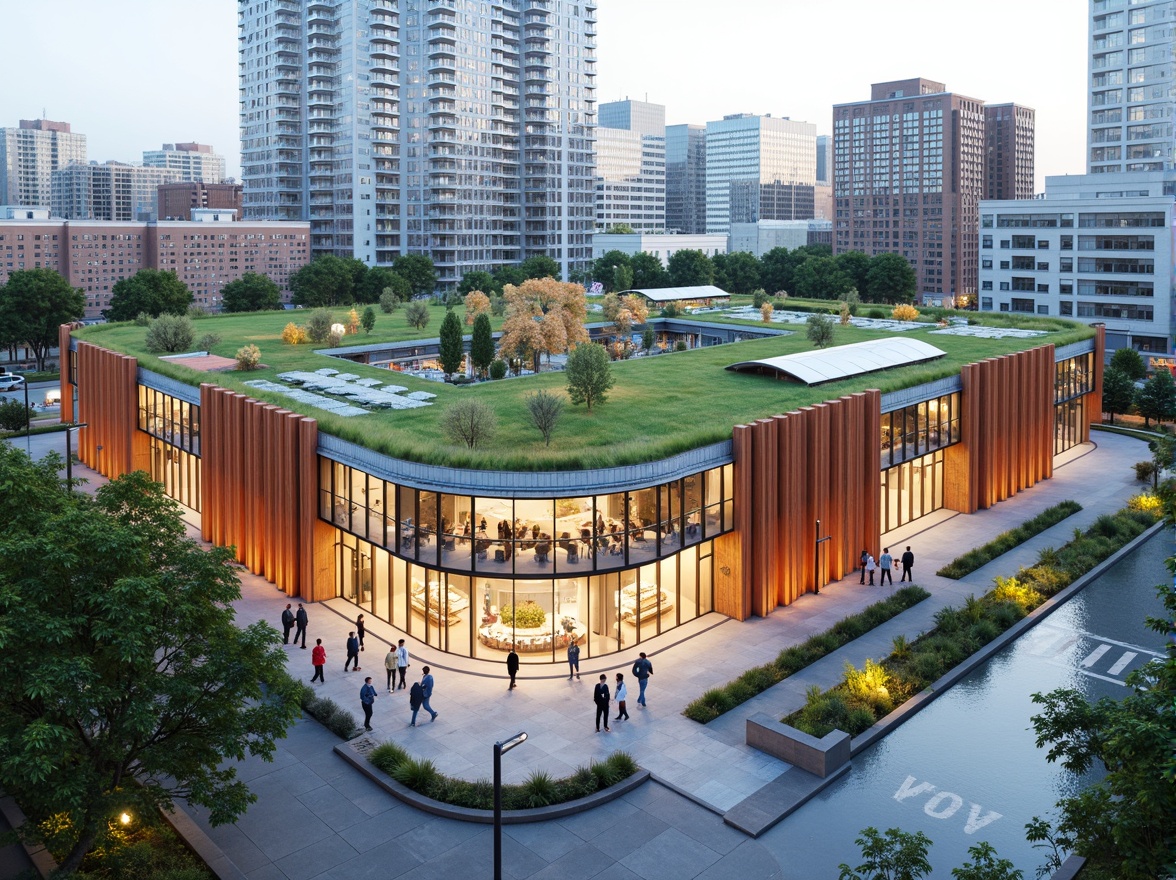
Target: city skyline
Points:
(193, 96)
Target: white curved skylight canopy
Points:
(673, 294)
(843, 361)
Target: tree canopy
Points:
(589, 374)
(376, 280)
(478, 280)
(690, 268)
(1157, 398)
(1118, 392)
(542, 316)
(540, 266)
(451, 345)
(252, 292)
(742, 272)
(324, 282)
(418, 270)
(1130, 362)
(33, 305)
(605, 266)
(648, 271)
(821, 278)
(150, 291)
(890, 280)
(126, 682)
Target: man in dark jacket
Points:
(352, 652)
(301, 620)
(512, 666)
(908, 563)
(287, 624)
(642, 669)
(601, 696)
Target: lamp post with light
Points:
(69, 429)
(501, 748)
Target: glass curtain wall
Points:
(912, 442)
(174, 427)
(1073, 379)
(474, 575)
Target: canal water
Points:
(966, 769)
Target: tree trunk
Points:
(85, 843)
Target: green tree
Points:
(318, 325)
(471, 422)
(604, 268)
(150, 291)
(648, 272)
(856, 265)
(1157, 398)
(482, 344)
(623, 278)
(589, 374)
(820, 278)
(619, 229)
(504, 275)
(389, 301)
(126, 682)
(323, 282)
(984, 865)
(33, 305)
(252, 292)
(376, 280)
(545, 410)
(895, 855)
(890, 280)
(647, 338)
(820, 330)
(691, 268)
(719, 262)
(14, 416)
(1118, 392)
(743, 272)
(540, 266)
(1123, 825)
(417, 314)
(778, 268)
(1130, 362)
(170, 333)
(418, 270)
(368, 321)
(451, 344)
(478, 280)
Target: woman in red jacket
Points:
(318, 656)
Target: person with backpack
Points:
(287, 624)
(427, 687)
(642, 669)
(352, 652)
(416, 697)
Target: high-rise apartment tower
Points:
(30, 154)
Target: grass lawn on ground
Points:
(659, 406)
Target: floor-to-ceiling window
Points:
(1073, 380)
(174, 427)
(912, 442)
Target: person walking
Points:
(416, 696)
(359, 630)
(401, 662)
(318, 657)
(301, 619)
(865, 555)
(573, 661)
(885, 562)
(367, 698)
(622, 694)
(352, 652)
(512, 666)
(871, 565)
(601, 696)
(908, 563)
(287, 624)
(427, 692)
(390, 666)
(642, 669)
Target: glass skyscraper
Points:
(461, 129)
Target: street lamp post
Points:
(69, 429)
(501, 748)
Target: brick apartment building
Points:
(204, 253)
(176, 201)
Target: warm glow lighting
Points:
(125, 818)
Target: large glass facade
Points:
(174, 427)
(915, 430)
(1073, 379)
(474, 575)
(911, 490)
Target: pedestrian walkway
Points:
(317, 819)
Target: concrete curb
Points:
(485, 817)
(201, 844)
(41, 858)
(921, 700)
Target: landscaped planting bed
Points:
(716, 701)
(866, 695)
(1006, 541)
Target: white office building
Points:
(759, 168)
(661, 246)
(1131, 104)
(458, 129)
(111, 191)
(631, 166)
(1097, 247)
(196, 163)
(30, 154)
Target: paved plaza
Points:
(317, 818)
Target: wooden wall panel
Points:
(108, 403)
(1094, 398)
(728, 581)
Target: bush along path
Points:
(866, 695)
(755, 681)
(964, 565)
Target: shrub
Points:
(905, 312)
(388, 756)
(759, 298)
(13, 415)
(766, 313)
(292, 334)
(417, 314)
(248, 357)
(1006, 541)
(318, 326)
(877, 314)
(1010, 590)
(900, 647)
(419, 774)
(539, 789)
(143, 319)
(680, 345)
(498, 369)
(528, 615)
(820, 330)
(170, 333)
(389, 301)
(470, 422)
(606, 774)
(208, 342)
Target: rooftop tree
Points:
(252, 292)
(542, 315)
(451, 344)
(540, 266)
(589, 374)
(482, 344)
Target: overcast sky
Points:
(134, 74)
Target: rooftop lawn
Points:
(660, 405)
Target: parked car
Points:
(11, 382)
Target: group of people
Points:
(885, 564)
(602, 697)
